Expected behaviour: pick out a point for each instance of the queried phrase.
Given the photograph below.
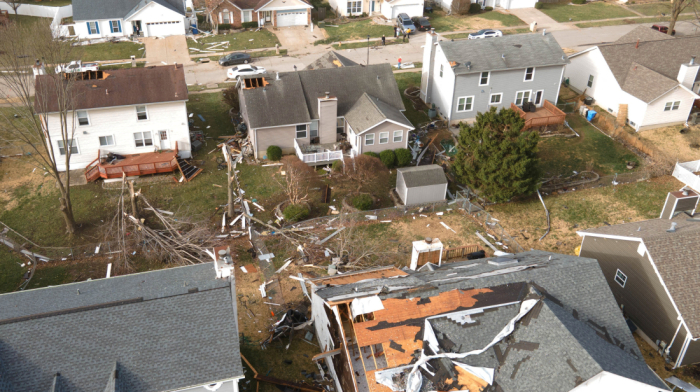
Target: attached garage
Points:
(292, 18)
(164, 29)
(392, 9)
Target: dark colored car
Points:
(421, 23)
(662, 29)
(235, 58)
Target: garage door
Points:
(164, 29)
(410, 9)
(292, 18)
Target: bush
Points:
(372, 154)
(337, 166)
(361, 202)
(578, 1)
(201, 18)
(403, 157)
(225, 26)
(488, 8)
(249, 25)
(539, 5)
(274, 153)
(388, 158)
(475, 8)
(295, 212)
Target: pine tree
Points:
(495, 157)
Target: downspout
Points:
(681, 354)
(668, 348)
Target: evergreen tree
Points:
(496, 157)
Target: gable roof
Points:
(89, 10)
(120, 87)
(86, 331)
(520, 50)
(331, 59)
(423, 175)
(369, 111)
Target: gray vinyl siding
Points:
(425, 194)
(508, 83)
(282, 137)
(385, 127)
(692, 354)
(400, 185)
(644, 298)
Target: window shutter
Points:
(119, 23)
(88, 24)
(221, 18)
(111, 28)
(97, 27)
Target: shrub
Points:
(539, 5)
(403, 157)
(372, 154)
(475, 8)
(488, 8)
(295, 212)
(578, 1)
(274, 153)
(362, 202)
(249, 25)
(337, 165)
(388, 158)
(201, 18)
(225, 26)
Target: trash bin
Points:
(588, 101)
(566, 82)
(195, 30)
(590, 115)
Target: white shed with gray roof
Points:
(421, 184)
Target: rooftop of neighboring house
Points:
(331, 59)
(292, 97)
(252, 4)
(155, 331)
(503, 53)
(417, 176)
(567, 326)
(90, 10)
(119, 87)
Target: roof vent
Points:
(328, 95)
(107, 91)
(469, 65)
(685, 192)
(503, 56)
(673, 227)
(502, 261)
(277, 76)
(692, 60)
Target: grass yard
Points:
(28, 19)
(238, 41)
(139, 64)
(442, 22)
(651, 9)
(355, 31)
(111, 51)
(507, 20)
(406, 80)
(562, 12)
(364, 44)
(48, 3)
(632, 21)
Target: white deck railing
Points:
(685, 173)
(317, 156)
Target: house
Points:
(276, 13)
(421, 184)
(389, 8)
(500, 4)
(652, 268)
(463, 78)
(312, 112)
(331, 59)
(646, 78)
(121, 18)
(174, 329)
(124, 111)
(533, 321)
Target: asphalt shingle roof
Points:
(89, 10)
(423, 175)
(369, 111)
(331, 59)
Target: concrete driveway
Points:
(169, 50)
(297, 38)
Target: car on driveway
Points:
(244, 70)
(405, 24)
(421, 23)
(77, 66)
(662, 29)
(485, 33)
(235, 58)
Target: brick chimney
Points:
(327, 118)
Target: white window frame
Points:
(87, 116)
(305, 130)
(115, 26)
(532, 76)
(672, 105)
(352, 8)
(500, 99)
(73, 145)
(488, 78)
(225, 15)
(369, 139)
(529, 95)
(383, 136)
(107, 136)
(145, 110)
(590, 81)
(622, 278)
(400, 136)
(471, 104)
(143, 139)
(90, 28)
(441, 70)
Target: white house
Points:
(125, 111)
(502, 4)
(389, 8)
(117, 18)
(650, 78)
(392, 8)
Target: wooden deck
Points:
(133, 165)
(548, 114)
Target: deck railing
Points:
(315, 157)
(556, 116)
(160, 163)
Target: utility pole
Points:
(368, 50)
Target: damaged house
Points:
(534, 321)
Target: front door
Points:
(371, 6)
(136, 27)
(164, 141)
(538, 98)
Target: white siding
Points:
(425, 194)
(605, 90)
(154, 13)
(81, 29)
(655, 114)
(609, 382)
(401, 186)
(442, 87)
(340, 6)
(392, 10)
(513, 4)
(121, 123)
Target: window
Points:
(143, 139)
(115, 26)
(529, 74)
(340, 126)
(141, 113)
(354, 7)
(484, 80)
(590, 81)
(226, 17)
(83, 118)
(496, 99)
(93, 28)
(620, 278)
(521, 97)
(73, 147)
(369, 139)
(440, 70)
(383, 137)
(301, 131)
(465, 104)
(631, 123)
(398, 136)
(106, 141)
(672, 106)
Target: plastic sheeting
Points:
(365, 305)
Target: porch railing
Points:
(556, 116)
(316, 157)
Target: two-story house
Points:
(389, 8)
(123, 111)
(465, 77)
(276, 13)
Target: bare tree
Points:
(30, 115)
(210, 7)
(678, 6)
(14, 4)
(363, 168)
(299, 177)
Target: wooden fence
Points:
(460, 251)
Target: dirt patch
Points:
(477, 23)
(673, 143)
(22, 176)
(419, 227)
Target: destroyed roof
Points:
(161, 330)
(418, 176)
(502, 53)
(331, 59)
(91, 10)
(120, 87)
(675, 256)
(369, 111)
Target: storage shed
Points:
(421, 184)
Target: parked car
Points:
(423, 24)
(485, 33)
(663, 29)
(244, 70)
(235, 58)
(405, 24)
(77, 66)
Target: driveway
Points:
(529, 15)
(297, 38)
(167, 50)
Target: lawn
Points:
(405, 80)
(28, 19)
(112, 51)
(618, 22)
(562, 12)
(507, 20)
(364, 44)
(139, 64)
(49, 3)
(442, 22)
(238, 41)
(651, 9)
(355, 31)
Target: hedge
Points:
(488, 8)
(475, 8)
(249, 25)
(225, 26)
(362, 202)
(372, 154)
(295, 212)
(403, 157)
(578, 1)
(388, 158)
(274, 153)
(539, 5)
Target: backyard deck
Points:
(547, 114)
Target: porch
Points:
(317, 154)
(547, 114)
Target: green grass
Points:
(507, 20)
(405, 80)
(442, 22)
(28, 19)
(364, 44)
(238, 41)
(592, 11)
(139, 64)
(561, 156)
(111, 51)
(202, 87)
(49, 3)
(651, 9)
(10, 270)
(632, 21)
(355, 31)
